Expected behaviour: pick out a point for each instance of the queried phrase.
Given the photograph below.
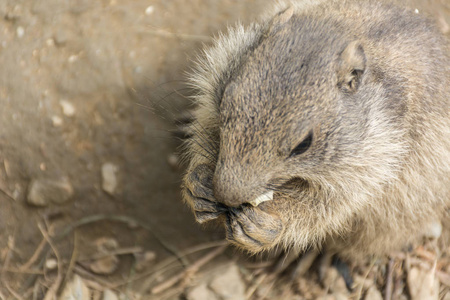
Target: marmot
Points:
(326, 123)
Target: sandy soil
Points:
(88, 84)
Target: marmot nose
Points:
(230, 197)
(234, 191)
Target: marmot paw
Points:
(252, 228)
(199, 194)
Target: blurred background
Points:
(89, 91)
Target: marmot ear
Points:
(280, 19)
(351, 66)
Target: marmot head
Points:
(304, 106)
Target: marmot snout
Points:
(325, 122)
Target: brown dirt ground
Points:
(120, 65)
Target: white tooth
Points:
(262, 198)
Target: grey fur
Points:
(370, 82)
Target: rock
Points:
(73, 58)
(57, 121)
(67, 108)
(51, 264)
(143, 260)
(423, 284)
(20, 32)
(50, 42)
(75, 289)
(42, 192)
(14, 14)
(173, 161)
(149, 10)
(373, 294)
(105, 266)
(109, 263)
(334, 282)
(201, 292)
(109, 178)
(362, 282)
(106, 245)
(228, 284)
(109, 295)
(61, 37)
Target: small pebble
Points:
(42, 192)
(57, 121)
(60, 37)
(14, 14)
(143, 260)
(105, 266)
(17, 193)
(200, 292)
(423, 284)
(67, 107)
(373, 294)
(132, 224)
(109, 295)
(72, 58)
(234, 287)
(20, 32)
(50, 42)
(334, 282)
(173, 161)
(108, 264)
(7, 167)
(106, 244)
(109, 178)
(416, 11)
(149, 10)
(75, 289)
(51, 264)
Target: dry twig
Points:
(20, 271)
(73, 258)
(189, 270)
(83, 273)
(163, 266)
(389, 280)
(53, 290)
(360, 289)
(5, 267)
(252, 289)
(124, 219)
(120, 251)
(183, 36)
(37, 253)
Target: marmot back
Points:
(326, 122)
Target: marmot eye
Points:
(303, 146)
